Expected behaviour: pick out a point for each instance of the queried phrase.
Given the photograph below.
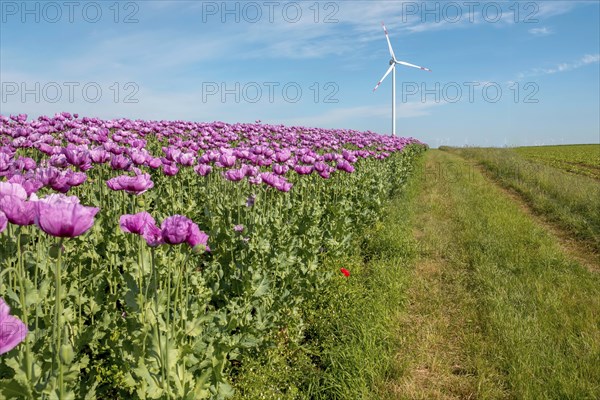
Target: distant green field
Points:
(583, 159)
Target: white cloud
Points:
(540, 31)
(547, 9)
(562, 67)
(590, 59)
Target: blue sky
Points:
(504, 73)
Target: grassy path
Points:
(565, 200)
(495, 308)
(570, 245)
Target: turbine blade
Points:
(386, 74)
(412, 65)
(388, 41)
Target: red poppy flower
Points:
(345, 272)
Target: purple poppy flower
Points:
(113, 148)
(131, 184)
(75, 178)
(171, 153)
(154, 162)
(345, 166)
(120, 162)
(78, 157)
(253, 158)
(143, 224)
(227, 160)
(14, 204)
(137, 157)
(262, 162)
(99, 155)
(320, 166)
(31, 184)
(238, 228)
(280, 169)
(178, 229)
(61, 183)
(308, 159)
(197, 239)
(278, 182)
(325, 174)
(58, 161)
(47, 175)
(17, 211)
(63, 216)
(269, 178)
(268, 153)
(255, 180)
(283, 185)
(250, 170)
(13, 189)
(12, 330)
(175, 229)
(26, 163)
(202, 169)
(349, 156)
(152, 235)
(186, 159)
(3, 221)
(241, 153)
(136, 223)
(234, 175)
(204, 158)
(304, 169)
(258, 150)
(251, 200)
(59, 198)
(5, 163)
(170, 169)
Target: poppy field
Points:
(140, 259)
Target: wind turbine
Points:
(392, 69)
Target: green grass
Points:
(518, 317)
(581, 159)
(569, 200)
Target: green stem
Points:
(58, 319)
(11, 276)
(79, 290)
(8, 271)
(156, 327)
(168, 321)
(181, 306)
(35, 277)
(187, 300)
(140, 286)
(28, 361)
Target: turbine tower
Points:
(392, 69)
